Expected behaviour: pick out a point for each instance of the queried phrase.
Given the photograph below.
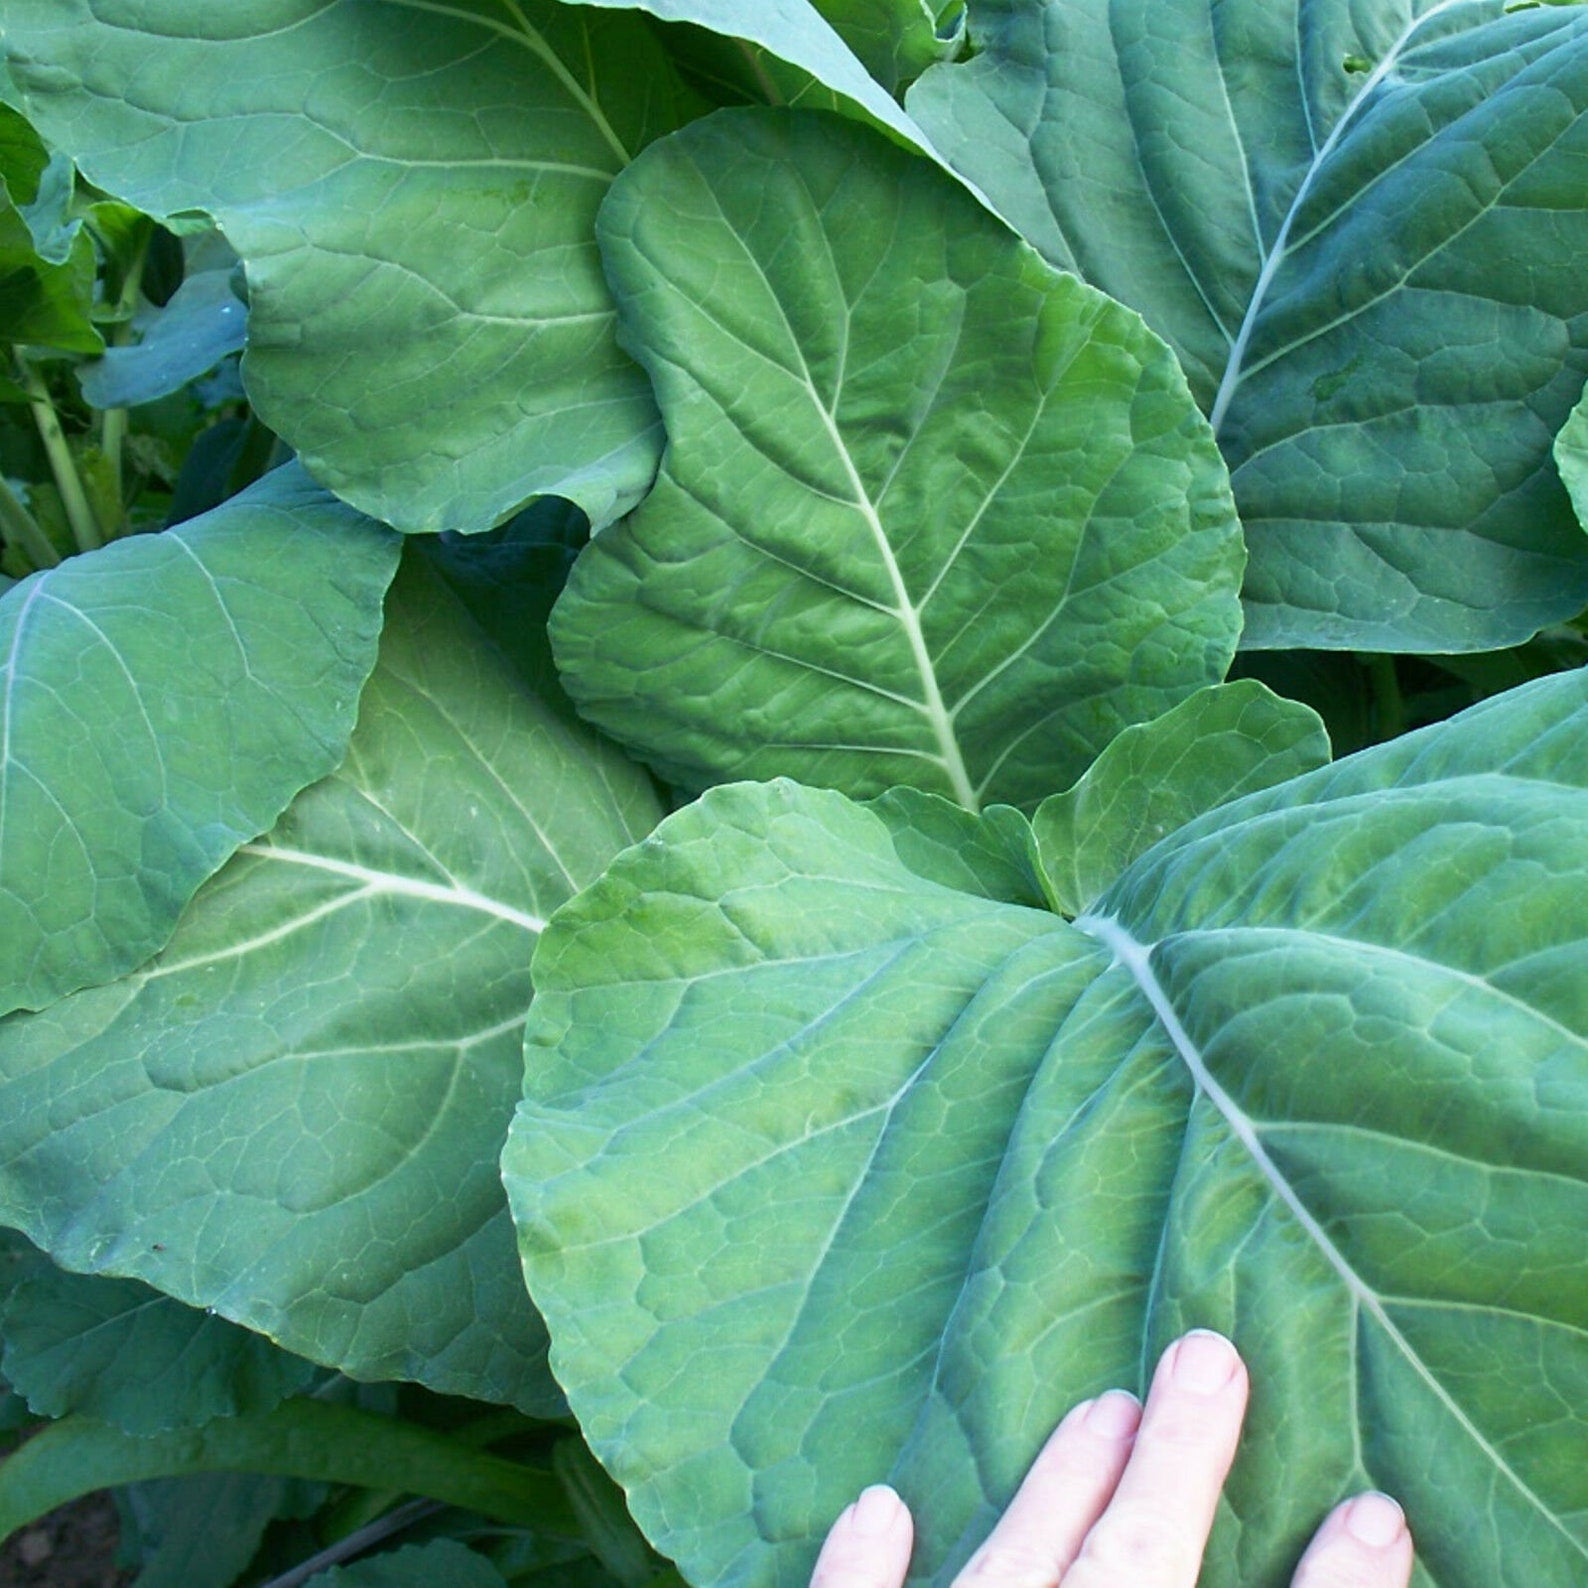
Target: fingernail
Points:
(1204, 1362)
(876, 1511)
(1114, 1415)
(1374, 1519)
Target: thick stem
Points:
(85, 526)
(113, 421)
(20, 528)
(1389, 709)
(299, 1439)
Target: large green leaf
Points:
(931, 512)
(827, 1174)
(121, 1353)
(293, 1115)
(1361, 228)
(160, 702)
(412, 188)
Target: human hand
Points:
(1123, 1496)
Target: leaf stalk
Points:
(80, 515)
(19, 528)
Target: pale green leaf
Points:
(827, 1174)
(293, 1115)
(161, 700)
(1571, 458)
(931, 512)
(1225, 741)
(412, 188)
(1361, 228)
(119, 1352)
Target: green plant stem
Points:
(21, 529)
(355, 1543)
(113, 421)
(112, 439)
(364, 1507)
(85, 526)
(1389, 708)
(301, 1438)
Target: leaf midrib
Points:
(1135, 957)
(932, 706)
(1275, 255)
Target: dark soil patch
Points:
(74, 1547)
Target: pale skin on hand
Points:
(1123, 1496)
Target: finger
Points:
(869, 1545)
(1156, 1527)
(1063, 1494)
(1362, 1544)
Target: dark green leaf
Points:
(201, 1531)
(1372, 277)
(897, 39)
(438, 1564)
(121, 1353)
(797, 33)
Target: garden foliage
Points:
(824, 546)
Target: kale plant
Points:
(912, 712)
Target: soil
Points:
(74, 1547)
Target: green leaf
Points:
(119, 1352)
(896, 39)
(931, 513)
(293, 1115)
(23, 157)
(201, 1531)
(798, 33)
(509, 578)
(1571, 458)
(190, 333)
(1229, 740)
(992, 854)
(1337, 256)
(441, 1561)
(412, 188)
(43, 303)
(300, 1439)
(603, 1517)
(161, 701)
(827, 1174)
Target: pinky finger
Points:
(869, 1545)
(1362, 1544)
